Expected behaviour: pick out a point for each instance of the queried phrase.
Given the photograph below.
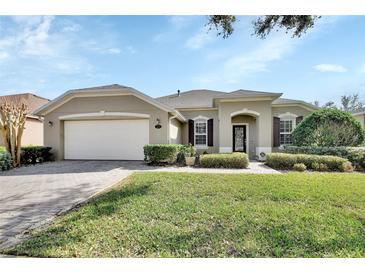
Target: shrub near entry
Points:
(35, 154)
(224, 160)
(287, 161)
(5, 161)
(356, 155)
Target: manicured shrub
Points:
(287, 161)
(299, 167)
(356, 155)
(158, 154)
(224, 160)
(35, 154)
(347, 167)
(319, 166)
(5, 161)
(329, 127)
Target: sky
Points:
(48, 55)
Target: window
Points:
(286, 128)
(200, 133)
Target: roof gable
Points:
(110, 90)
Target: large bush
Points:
(329, 127)
(5, 161)
(224, 160)
(35, 154)
(356, 155)
(158, 154)
(287, 161)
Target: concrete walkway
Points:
(253, 168)
(33, 195)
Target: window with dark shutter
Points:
(298, 120)
(191, 131)
(210, 132)
(276, 132)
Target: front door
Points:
(239, 138)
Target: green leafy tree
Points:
(329, 127)
(263, 25)
(351, 103)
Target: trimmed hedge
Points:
(35, 154)
(224, 160)
(287, 161)
(356, 155)
(158, 154)
(5, 161)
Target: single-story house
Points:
(33, 129)
(115, 122)
(360, 116)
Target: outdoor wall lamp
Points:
(50, 123)
(158, 125)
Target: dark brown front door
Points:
(239, 138)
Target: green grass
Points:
(2, 149)
(206, 215)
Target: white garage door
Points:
(106, 139)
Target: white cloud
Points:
(72, 27)
(330, 68)
(114, 50)
(252, 61)
(3, 55)
(175, 25)
(200, 39)
(35, 41)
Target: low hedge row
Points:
(35, 155)
(224, 160)
(5, 161)
(28, 155)
(287, 161)
(356, 155)
(158, 154)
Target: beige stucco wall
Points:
(53, 136)
(361, 119)
(263, 123)
(252, 132)
(211, 114)
(33, 133)
(175, 131)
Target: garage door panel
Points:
(106, 139)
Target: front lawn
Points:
(214, 215)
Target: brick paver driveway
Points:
(30, 196)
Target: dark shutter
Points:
(298, 119)
(210, 132)
(191, 131)
(276, 132)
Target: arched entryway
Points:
(244, 132)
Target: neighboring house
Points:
(115, 122)
(360, 116)
(33, 129)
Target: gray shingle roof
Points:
(283, 101)
(203, 98)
